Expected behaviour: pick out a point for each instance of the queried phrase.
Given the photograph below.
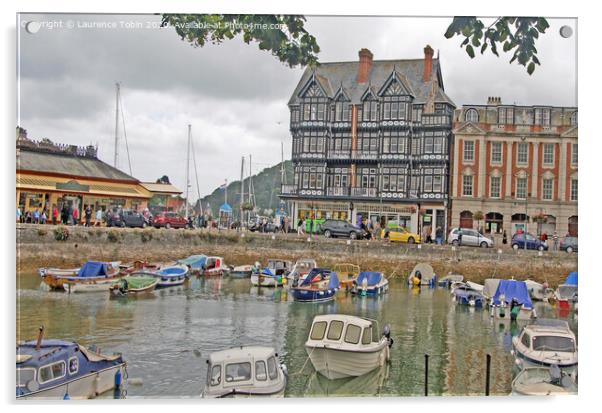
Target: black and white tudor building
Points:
(371, 140)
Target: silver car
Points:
(470, 237)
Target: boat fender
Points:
(118, 378)
(66, 396)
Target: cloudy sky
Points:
(233, 94)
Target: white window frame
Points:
(547, 194)
(518, 153)
(526, 188)
(467, 182)
(501, 153)
(54, 378)
(574, 154)
(548, 145)
(77, 365)
(499, 187)
(471, 115)
(574, 189)
(471, 151)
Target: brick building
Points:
(517, 165)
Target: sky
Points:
(233, 94)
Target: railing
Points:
(339, 154)
(363, 192)
(367, 155)
(337, 191)
(288, 190)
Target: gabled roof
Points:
(410, 72)
(469, 128)
(160, 188)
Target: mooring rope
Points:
(304, 364)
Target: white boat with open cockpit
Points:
(539, 292)
(345, 346)
(422, 274)
(544, 381)
(301, 268)
(248, 371)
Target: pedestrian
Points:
(439, 236)
(460, 237)
(55, 214)
(43, 217)
(98, 216)
(36, 216)
(18, 214)
(300, 226)
(28, 217)
(555, 239)
(504, 238)
(88, 215)
(75, 216)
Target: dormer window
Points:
(472, 115)
(574, 119)
(505, 116)
(342, 111)
(542, 116)
(370, 110)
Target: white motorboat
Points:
(272, 275)
(546, 342)
(490, 287)
(344, 346)
(248, 371)
(543, 381)
(537, 291)
(475, 286)
(301, 268)
(449, 279)
(91, 286)
(370, 283)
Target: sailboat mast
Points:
(116, 124)
(242, 187)
(188, 169)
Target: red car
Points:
(169, 220)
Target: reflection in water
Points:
(167, 335)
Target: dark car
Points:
(255, 224)
(338, 228)
(125, 218)
(169, 220)
(533, 243)
(569, 244)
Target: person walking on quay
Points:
(36, 216)
(88, 215)
(300, 226)
(18, 214)
(439, 236)
(75, 215)
(504, 238)
(555, 239)
(460, 237)
(55, 214)
(98, 216)
(43, 217)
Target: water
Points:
(167, 335)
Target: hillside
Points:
(267, 189)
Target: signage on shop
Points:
(73, 186)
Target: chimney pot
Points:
(363, 70)
(428, 63)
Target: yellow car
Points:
(399, 234)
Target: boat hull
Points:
(336, 364)
(371, 291)
(91, 286)
(307, 295)
(170, 283)
(264, 281)
(523, 315)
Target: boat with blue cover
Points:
(171, 276)
(57, 369)
(466, 295)
(319, 285)
(511, 301)
(195, 263)
(92, 272)
(370, 283)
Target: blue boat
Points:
(320, 285)
(195, 263)
(370, 283)
(467, 296)
(171, 276)
(512, 301)
(57, 369)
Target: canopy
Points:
(318, 274)
(490, 287)
(225, 208)
(93, 269)
(512, 289)
(333, 283)
(373, 278)
(425, 270)
(571, 279)
(194, 261)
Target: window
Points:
(526, 340)
(313, 112)
(471, 115)
(367, 335)
(52, 372)
(574, 119)
(73, 365)
(370, 110)
(438, 146)
(542, 116)
(505, 116)
(523, 153)
(521, 188)
(260, 371)
(494, 187)
(428, 145)
(548, 154)
(25, 375)
(335, 330)
(417, 113)
(547, 189)
(341, 112)
(468, 151)
(321, 111)
(496, 152)
(238, 372)
(553, 343)
(216, 375)
(437, 179)
(574, 154)
(272, 368)
(467, 185)
(574, 189)
(353, 333)
(317, 332)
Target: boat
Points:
(170, 276)
(301, 268)
(279, 267)
(344, 345)
(546, 342)
(567, 292)
(57, 369)
(89, 286)
(475, 286)
(490, 287)
(195, 263)
(422, 274)
(318, 286)
(449, 279)
(370, 283)
(134, 284)
(248, 371)
(90, 272)
(273, 275)
(466, 295)
(241, 271)
(543, 381)
(511, 301)
(370, 384)
(346, 273)
(539, 292)
(138, 266)
(215, 267)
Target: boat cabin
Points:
(279, 267)
(342, 330)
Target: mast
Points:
(116, 124)
(242, 188)
(187, 169)
(282, 170)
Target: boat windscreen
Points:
(553, 343)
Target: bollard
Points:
(426, 374)
(487, 373)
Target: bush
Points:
(114, 235)
(42, 232)
(61, 233)
(146, 235)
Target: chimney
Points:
(363, 70)
(428, 63)
(494, 100)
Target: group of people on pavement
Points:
(67, 215)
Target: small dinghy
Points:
(171, 276)
(543, 381)
(422, 274)
(345, 346)
(241, 271)
(134, 285)
(249, 371)
(90, 272)
(215, 267)
(511, 301)
(57, 369)
(466, 295)
(320, 285)
(266, 278)
(347, 273)
(449, 279)
(370, 283)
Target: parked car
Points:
(255, 225)
(118, 217)
(339, 228)
(569, 244)
(169, 220)
(400, 234)
(533, 243)
(470, 237)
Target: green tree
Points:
(283, 35)
(511, 33)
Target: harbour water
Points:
(167, 335)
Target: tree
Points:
(518, 33)
(283, 35)
(163, 180)
(478, 216)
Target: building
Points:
(371, 140)
(517, 165)
(165, 197)
(51, 174)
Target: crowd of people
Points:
(67, 215)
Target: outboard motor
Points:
(387, 334)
